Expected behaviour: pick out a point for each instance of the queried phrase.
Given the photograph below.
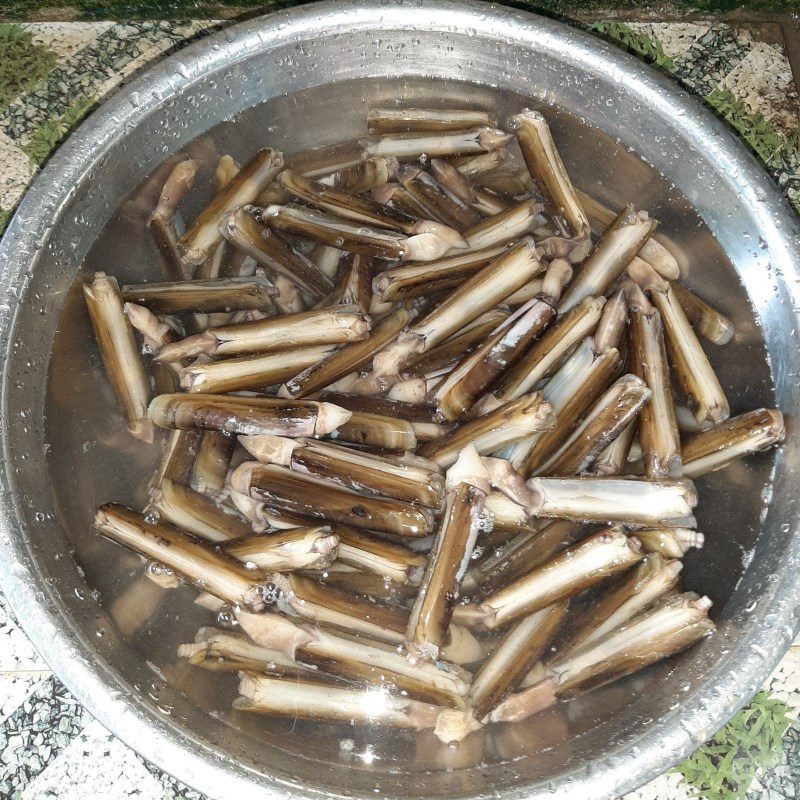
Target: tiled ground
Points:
(50, 76)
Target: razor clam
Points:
(419, 280)
(160, 224)
(431, 242)
(653, 252)
(613, 459)
(368, 553)
(517, 220)
(652, 579)
(477, 371)
(278, 257)
(478, 294)
(327, 259)
(212, 462)
(473, 166)
(318, 499)
(416, 482)
(705, 319)
(610, 256)
(357, 208)
(319, 161)
(298, 596)
(353, 284)
(689, 362)
(483, 139)
(117, 345)
(669, 542)
(518, 651)
(312, 698)
(289, 298)
(505, 425)
(413, 412)
(312, 547)
(350, 357)
(246, 415)
(467, 487)
(197, 563)
(599, 556)
(612, 413)
(223, 651)
(363, 176)
(198, 242)
(325, 326)
(156, 334)
(570, 405)
(739, 436)
(548, 352)
(657, 427)
(178, 456)
(450, 179)
(547, 169)
(651, 636)
(196, 513)
(375, 430)
(442, 205)
(419, 120)
(357, 659)
(521, 554)
(631, 502)
(367, 584)
(255, 372)
(452, 349)
(221, 294)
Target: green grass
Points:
(46, 138)
(22, 63)
(769, 144)
(635, 42)
(724, 767)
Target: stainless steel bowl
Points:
(303, 77)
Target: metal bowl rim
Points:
(95, 684)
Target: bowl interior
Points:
(93, 460)
(67, 450)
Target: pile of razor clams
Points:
(430, 417)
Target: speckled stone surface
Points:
(49, 746)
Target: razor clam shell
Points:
(657, 426)
(447, 563)
(612, 413)
(711, 324)
(347, 359)
(247, 416)
(277, 256)
(547, 353)
(517, 652)
(547, 169)
(198, 563)
(478, 294)
(505, 425)
(244, 188)
(418, 120)
(253, 372)
(196, 513)
(689, 362)
(574, 570)
(121, 359)
(220, 294)
(734, 438)
(321, 500)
